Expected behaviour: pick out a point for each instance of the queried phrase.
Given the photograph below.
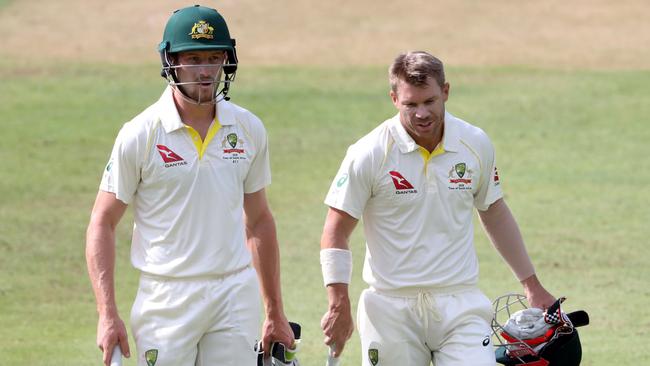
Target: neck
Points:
(194, 114)
(430, 143)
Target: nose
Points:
(422, 112)
(204, 71)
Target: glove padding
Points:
(281, 355)
(527, 324)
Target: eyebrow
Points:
(193, 53)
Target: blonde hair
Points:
(415, 68)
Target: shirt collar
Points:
(406, 144)
(171, 120)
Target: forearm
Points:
(335, 239)
(337, 230)
(338, 297)
(531, 284)
(503, 231)
(336, 263)
(100, 260)
(263, 244)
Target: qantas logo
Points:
(167, 154)
(399, 181)
(169, 157)
(401, 184)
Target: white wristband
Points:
(336, 265)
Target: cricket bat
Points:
(331, 360)
(116, 358)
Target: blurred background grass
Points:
(570, 149)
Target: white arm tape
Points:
(336, 265)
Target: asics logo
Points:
(486, 341)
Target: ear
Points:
(445, 92)
(393, 97)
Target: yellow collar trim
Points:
(428, 155)
(202, 145)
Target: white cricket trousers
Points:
(197, 321)
(449, 327)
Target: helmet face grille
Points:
(198, 28)
(562, 344)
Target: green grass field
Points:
(571, 149)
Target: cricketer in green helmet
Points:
(194, 167)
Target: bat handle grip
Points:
(331, 360)
(116, 358)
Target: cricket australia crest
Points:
(151, 356)
(460, 177)
(202, 29)
(460, 169)
(373, 356)
(232, 139)
(233, 148)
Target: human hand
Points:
(337, 323)
(110, 333)
(276, 329)
(540, 298)
(536, 294)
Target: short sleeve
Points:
(122, 173)
(259, 174)
(490, 188)
(352, 186)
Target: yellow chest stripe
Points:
(200, 144)
(426, 155)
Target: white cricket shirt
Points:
(187, 194)
(417, 207)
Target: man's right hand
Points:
(337, 323)
(110, 332)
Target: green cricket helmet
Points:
(197, 28)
